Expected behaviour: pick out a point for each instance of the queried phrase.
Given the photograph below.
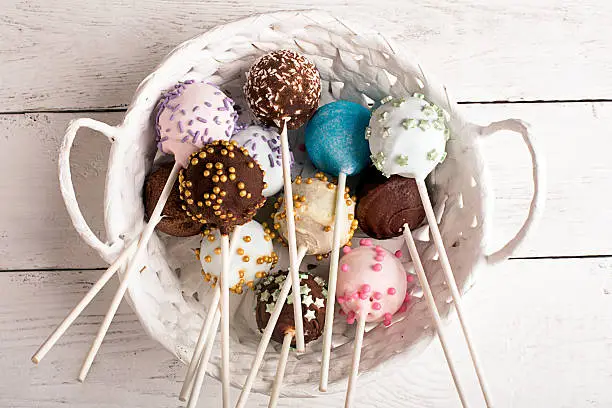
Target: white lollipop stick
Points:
(280, 370)
(350, 390)
(450, 280)
(331, 283)
(197, 352)
(291, 238)
(435, 316)
(132, 267)
(267, 334)
(194, 392)
(78, 309)
(225, 350)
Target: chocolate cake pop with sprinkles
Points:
(313, 295)
(385, 205)
(222, 186)
(283, 86)
(175, 221)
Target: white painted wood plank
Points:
(73, 54)
(543, 337)
(36, 231)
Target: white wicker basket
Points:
(354, 65)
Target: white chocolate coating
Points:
(315, 206)
(192, 115)
(263, 145)
(252, 259)
(407, 137)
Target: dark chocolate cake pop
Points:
(314, 301)
(283, 85)
(222, 185)
(384, 204)
(175, 222)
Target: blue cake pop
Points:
(335, 138)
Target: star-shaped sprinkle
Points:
(324, 292)
(270, 307)
(264, 296)
(409, 123)
(424, 125)
(307, 300)
(378, 160)
(279, 279)
(443, 157)
(428, 110)
(446, 134)
(432, 155)
(398, 102)
(383, 116)
(319, 302)
(304, 290)
(386, 132)
(438, 124)
(319, 280)
(386, 99)
(310, 315)
(402, 160)
(303, 276)
(368, 133)
(275, 295)
(418, 95)
(290, 299)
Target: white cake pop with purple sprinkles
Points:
(191, 115)
(263, 145)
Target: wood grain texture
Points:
(95, 53)
(38, 233)
(541, 344)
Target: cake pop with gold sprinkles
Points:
(251, 260)
(314, 201)
(222, 186)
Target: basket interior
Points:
(170, 297)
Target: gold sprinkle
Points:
(243, 193)
(219, 201)
(308, 180)
(190, 201)
(200, 204)
(251, 165)
(208, 203)
(187, 193)
(202, 155)
(327, 228)
(246, 258)
(217, 251)
(232, 177)
(231, 155)
(231, 170)
(213, 196)
(330, 186)
(217, 213)
(206, 195)
(215, 178)
(248, 195)
(209, 166)
(219, 172)
(218, 165)
(188, 184)
(240, 251)
(211, 238)
(216, 207)
(223, 178)
(208, 258)
(246, 238)
(241, 185)
(216, 190)
(194, 161)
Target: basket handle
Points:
(539, 184)
(67, 187)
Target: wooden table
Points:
(542, 321)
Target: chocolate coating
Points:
(384, 205)
(283, 85)
(314, 302)
(175, 221)
(222, 185)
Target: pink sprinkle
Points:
(341, 299)
(376, 306)
(363, 296)
(407, 298)
(302, 147)
(379, 258)
(350, 320)
(387, 323)
(346, 249)
(355, 295)
(398, 254)
(403, 308)
(365, 242)
(391, 291)
(378, 248)
(377, 267)
(344, 267)
(366, 288)
(388, 316)
(377, 295)
(409, 278)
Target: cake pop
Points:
(314, 203)
(313, 297)
(335, 144)
(222, 186)
(264, 146)
(407, 137)
(251, 257)
(371, 288)
(283, 89)
(178, 103)
(385, 205)
(175, 221)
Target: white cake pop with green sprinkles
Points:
(407, 136)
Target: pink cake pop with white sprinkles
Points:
(371, 280)
(191, 115)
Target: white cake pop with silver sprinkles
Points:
(252, 258)
(407, 136)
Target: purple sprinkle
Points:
(254, 146)
(228, 122)
(217, 93)
(255, 156)
(195, 137)
(189, 82)
(183, 111)
(206, 132)
(208, 104)
(227, 133)
(216, 120)
(167, 130)
(274, 141)
(278, 162)
(163, 139)
(171, 117)
(190, 122)
(180, 126)
(201, 119)
(183, 140)
(195, 108)
(210, 140)
(176, 107)
(271, 160)
(247, 142)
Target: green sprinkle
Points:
(383, 116)
(386, 132)
(270, 307)
(386, 99)
(428, 110)
(418, 95)
(368, 133)
(378, 160)
(438, 124)
(290, 299)
(446, 134)
(424, 125)
(432, 155)
(398, 102)
(443, 157)
(409, 123)
(303, 276)
(402, 159)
